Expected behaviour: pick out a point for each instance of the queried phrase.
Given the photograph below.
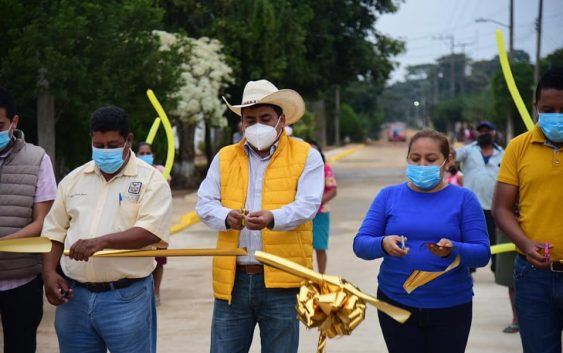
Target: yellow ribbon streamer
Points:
(420, 278)
(500, 248)
(330, 303)
(169, 135)
(187, 220)
(507, 72)
(153, 131)
(26, 245)
(168, 252)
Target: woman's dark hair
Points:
(316, 144)
(110, 118)
(553, 78)
(8, 102)
(143, 143)
(436, 136)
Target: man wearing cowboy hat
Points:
(261, 194)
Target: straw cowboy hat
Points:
(264, 92)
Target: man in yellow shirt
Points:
(115, 201)
(532, 172)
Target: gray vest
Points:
(18, 182)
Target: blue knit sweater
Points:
(453, 213)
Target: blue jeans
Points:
(539, 305)
(272, 308)
(121, 320)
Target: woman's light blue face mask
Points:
(424, 177)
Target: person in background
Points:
(530, 179)
(425, 224)
(321, 223)
(238, 135)
(145, 153)
(453, 175)
(27, 190)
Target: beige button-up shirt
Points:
(87, 206)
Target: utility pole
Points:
(509, 119)
(538, 43)
(464, 64)
(451, 39)
(337, 116)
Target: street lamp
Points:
(416, 103)
(483, 20)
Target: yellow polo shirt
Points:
(87, 206)
(535, 166)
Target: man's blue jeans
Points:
(539, 305)
(272, 308)
(121, 320)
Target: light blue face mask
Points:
(552, 126)
(425, 177)
(147, 158)
(5, 138)
(109, 160)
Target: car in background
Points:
(397, 131)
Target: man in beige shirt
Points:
(115, 201)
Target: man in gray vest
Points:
(27, 191)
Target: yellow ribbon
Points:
(168, 252)
(330, 303)
(500, 248)
(153, 131)
(169, 135)
(26, 245)
(507, 72)
(420, 278)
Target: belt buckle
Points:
(556, 266)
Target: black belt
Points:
(250, 269)
(98, 287)
(555, 266)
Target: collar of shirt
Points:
(251, 152)
(497, 148)
(129, 170)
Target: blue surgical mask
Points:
(109, 160)
(5, 138)
(425, 177)
(552, 126)
(147, 158)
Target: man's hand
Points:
(391, 246)
(442, 248)
(84, 248)
(259, 220)
(57, 290)
(533, 252)
(235, 219)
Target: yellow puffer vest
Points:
(280, 186)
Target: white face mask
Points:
(261, 136)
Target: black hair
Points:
(316, 144)
(277, 109)
(553, 78)
(8, 102)
(110, 118)
(143, 143)
(442, 140)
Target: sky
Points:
(421, 23)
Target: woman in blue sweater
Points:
(439, 222)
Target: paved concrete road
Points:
(186, 307)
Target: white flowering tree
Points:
(205, 75)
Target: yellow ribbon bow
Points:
(330, 303)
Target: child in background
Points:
(321, 222)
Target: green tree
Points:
(91, 53)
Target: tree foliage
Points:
(93, 53)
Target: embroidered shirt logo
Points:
(135, 187)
